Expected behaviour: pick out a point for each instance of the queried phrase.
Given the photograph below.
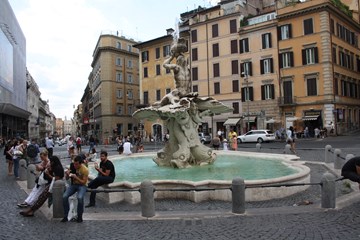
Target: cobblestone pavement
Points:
(275, 219)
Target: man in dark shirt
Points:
(351, 170)
(106, 175)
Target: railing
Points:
(287, 101)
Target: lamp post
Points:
(247, 99)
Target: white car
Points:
(257, 136)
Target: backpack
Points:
(32, 151)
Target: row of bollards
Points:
(336, 157)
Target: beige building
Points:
(114, 89)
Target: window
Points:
(118, 45)
(118, 61)
(310, 56)
(195, 76)
(217, 88)
(157, 53)
(119, 93)
(168, 90)
(266, 66)
(234, 46)
(247, 94)
(216, 70)
(266, 40)
(166, 50)
(119, 77)
(245, 69)
(130, 94)
(193, 35)
(311, 86)
(334, 55)
(129, 48)
(332, 26)
(234, 67)
(194, 54)
(130, 109)
(284, 32)
(119, 109)
(158, 95)
(233, 27)
(158, 71)
(236, 108)
(308, 26)
(195, 88)
(267, 92)
(129, 64)
(146, 98)
(145, 56)
(215, 30)
(244, 45)
(130, 78)
(286, 59)
(235, 85)
(145, 72)
(215, 48)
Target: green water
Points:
(225, 168)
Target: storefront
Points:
(312, 119)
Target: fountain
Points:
(182, 111)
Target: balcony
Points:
(287, 101)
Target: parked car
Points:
(204, 138)
(257, 136)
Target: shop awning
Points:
(310, 118)
(271, 121)
(251, 119)
(232, 121)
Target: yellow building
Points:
(319, 65)
(114, 88)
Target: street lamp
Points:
(247, 99)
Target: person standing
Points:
(78, 144)
(106, 175)
(79, 180)
(8, 157)
(291, 138)
(49, 144)
(91, 143)
(216, 142)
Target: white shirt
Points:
(49, 143)
(289, 133)
(127, 148)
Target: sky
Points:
(61, 37)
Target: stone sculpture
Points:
(182, 111)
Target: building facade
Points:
(33, 96)
(114, 89)
(13, 98)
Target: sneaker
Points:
(64, 219)
(79, 220)
(23, 205)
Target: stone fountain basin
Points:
(302, 175)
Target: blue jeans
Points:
(16, 162)
(73, 188)
(91, 146)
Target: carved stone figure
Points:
(182, 112)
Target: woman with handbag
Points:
(54, 172)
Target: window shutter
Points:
(291, 59)
(270, 45)
(250, 68)
(272, 88)
(262, 66)
(290, 31)
(251, 93)
(271, 65)
(279, 33)
(303, 52)
(243, 94)
(242, 69)
(247, 44)
(241, 46)
(316, 55)
(262, 92)
(263, 41)
(281, 64)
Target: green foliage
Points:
(344, 8)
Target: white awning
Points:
(271, 121)
(310, 118)
(251, 119)
(232, 121)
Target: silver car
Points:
(257, 136)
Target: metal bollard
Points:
(349, 156)
(238, 195)
(287, 149)
(328, 195)
(258, 147)
(328, 153)
(57, 193)
(22, 169)
(147, 199)
(338, 162)
(30, 176)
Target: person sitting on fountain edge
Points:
(106, 175)
(351, 170)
